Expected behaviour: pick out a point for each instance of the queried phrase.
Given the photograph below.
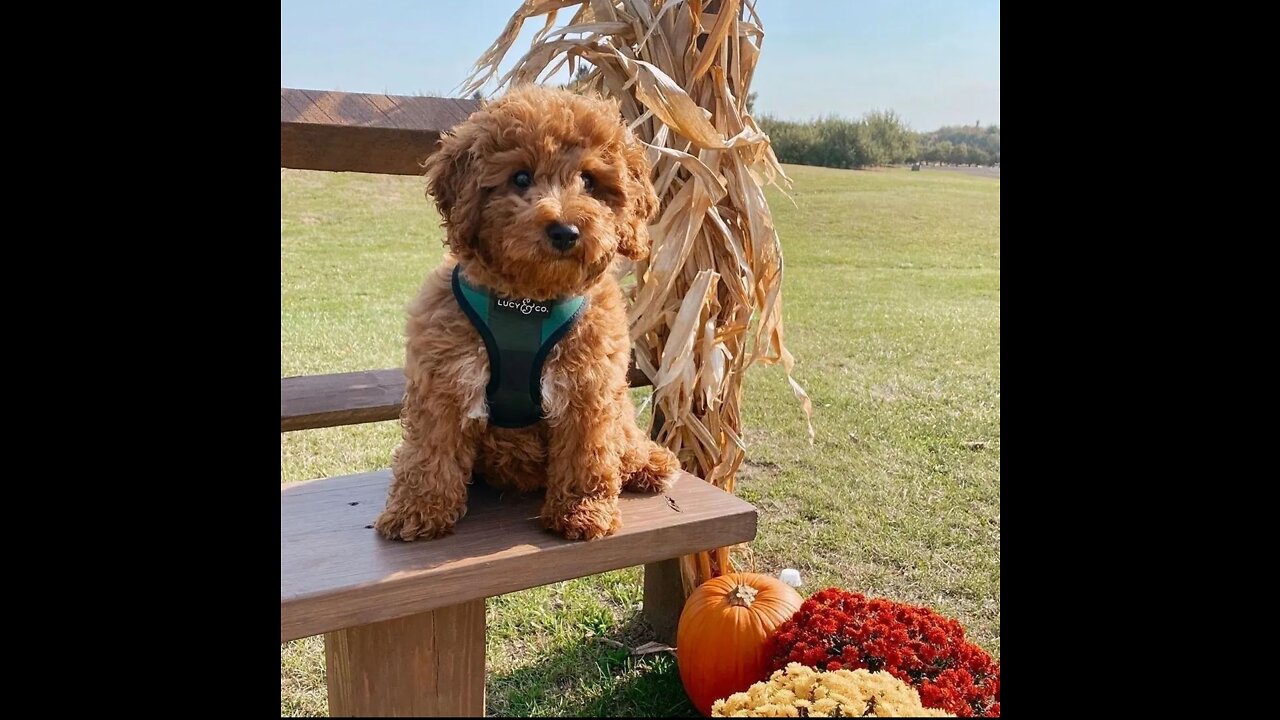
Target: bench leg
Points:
(663, 598)
(431, 664)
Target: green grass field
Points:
(892, 309)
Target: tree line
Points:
(879, 138)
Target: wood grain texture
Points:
(663, 598)
(336, 572)
(316, 401)
(425, 665)
(357, 132)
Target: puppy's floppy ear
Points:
(451, 181)
(642, 203)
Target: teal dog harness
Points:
(518, 335)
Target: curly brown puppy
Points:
(517, 352)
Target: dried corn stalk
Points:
(682, 70)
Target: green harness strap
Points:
(518, 335)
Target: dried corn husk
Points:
(681, 70)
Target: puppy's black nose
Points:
(562, 236)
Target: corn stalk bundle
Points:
(681, 70)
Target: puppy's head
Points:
(541, 189)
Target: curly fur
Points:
(588, 447)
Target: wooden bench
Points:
(404, 623)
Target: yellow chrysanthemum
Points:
(825, 694)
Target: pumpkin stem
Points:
(742, 596)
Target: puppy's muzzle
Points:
(562, 236)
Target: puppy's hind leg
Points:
(646, 466)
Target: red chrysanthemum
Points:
(837, 629)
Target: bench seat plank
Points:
(336, 572)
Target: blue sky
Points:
(935, 62)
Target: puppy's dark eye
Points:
(588, 182)
(522, 179)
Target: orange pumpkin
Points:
(720, 644)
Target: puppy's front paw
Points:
(584, 518)
(413, 520)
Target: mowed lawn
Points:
(892, 309)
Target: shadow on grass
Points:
(591, 678)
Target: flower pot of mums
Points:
(840, 630)
(800, 691)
